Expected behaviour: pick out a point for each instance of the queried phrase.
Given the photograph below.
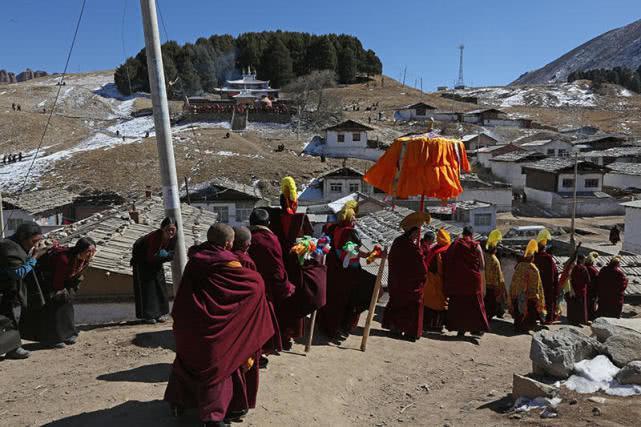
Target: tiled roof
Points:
(625, 168)
(557, 164)
(615, 152)
(40, 201)
(349, 125)
(115, 232)
(517, 156)
(224, 183)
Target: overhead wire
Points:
(48, 122)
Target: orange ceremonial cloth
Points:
(428, 167)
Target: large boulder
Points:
(623, 348)
(554, 353)
(531, 389)
(630, 374)
(605, 327)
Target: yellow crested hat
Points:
(443, 237)
(493, 239)
(348, 212)
(288, 188)
(544, 237)
(531, 249)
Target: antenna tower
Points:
(460, 84)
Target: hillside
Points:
(620, 47)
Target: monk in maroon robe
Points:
(550, 280)
(593, 271)
(578, 302)
(221, 321)
(242, 244)
(611, 285)
(463, 284)
(407, 274)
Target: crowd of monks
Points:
(244, 293)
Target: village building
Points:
(480, 215)
(247, 87)
(232, 202)
(549, 147)
(580, 132)
(334, 185)
(418, 111)
(632, 227)
(507, 167)
(623, 176)
(109, 276)
(550, 184)
(48, 208)
(348, 134)
(485, 154)
(624, 154)
(477, 141)
(348, 139)
(600, 142)
(498, 194)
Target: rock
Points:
(595, 399)
(516, 416)
(605, 327)
(630, 374)
(623, 348)
(527, 387)
(573, 402)
(554, 353)
(596, 412)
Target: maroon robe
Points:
(463, 285)
(266, 252)
(577, 304)
(221, 320)
(592, 291)
(406, 279)
(339, 314)
(550, 281)
(611, 285)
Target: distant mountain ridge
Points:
(620, 47)
(28, 74)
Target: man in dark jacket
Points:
(18, 285)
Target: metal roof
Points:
(115, 232)
(40, 201)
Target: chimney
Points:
(148, 192)
(134, 214)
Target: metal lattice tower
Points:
(460, 83)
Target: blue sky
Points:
(503, 38)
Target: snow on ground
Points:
(559, 95)
(598, 374)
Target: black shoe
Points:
(263, 362)
(18, 353)
(478, 333)
(235, 416)
(71, 340)
(287, 345)
(460, 334)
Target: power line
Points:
(55, 102)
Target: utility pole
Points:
(421, 85)
(576, 174)
(1, 218)
(404, 74)
(168, 178)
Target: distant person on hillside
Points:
(60, 274)
(221, 321)
(19, 287)
(149, 254)
(527, 300)
(463, 284)
(13, 106)
(611, 286)
(577, 299)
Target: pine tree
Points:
(277, 64)
(322, 55)
(347, 66)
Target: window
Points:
(242, 214)
(563, 153)
(483, 219)
(335, 187)
(356, 136)
(567, 183)
(340, 137)
(550, 152)
(222, 212)
(592, 183)
(354, 187)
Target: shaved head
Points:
(242, 238)
(221, 235)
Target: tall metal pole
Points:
(2, 227)
(576, 175)
(168, 178)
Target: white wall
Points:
(471, 119)
(231, 207)
(632, 231)
(543, 198)
(403, 115)
(330, 195)
(619, 180)
(553, 145)
(472, 218)
(331, 139)
(501, 197)
(502, 122)
(445, 117)
(18, 216)
(484, 159)
(581, 182)
(586, 205)
(510, 172)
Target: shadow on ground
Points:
(156, 339)
(156, 373)
(131, 413)
(500, 406)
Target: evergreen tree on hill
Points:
(347, 66)
(322, 55)
(277, 64)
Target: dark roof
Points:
(349, 125)
(217, 188)
(604, 137)
(518, 156)
(471, 180)
(419, 104)
(346, 171)
(485, 110)
(632, 150)
(562, 164)
(41, 201)
(498, 150)
(625, 168)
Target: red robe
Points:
(550, 280)
(463, 285)
(407, 274)
(577, 304)
(611, 285)
(592, 291)
(266, 252)
(221, 320)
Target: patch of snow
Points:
(42, 104)
(598, 374)
(625, 92)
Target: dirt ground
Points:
(116, 375)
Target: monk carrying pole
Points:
(374, 300)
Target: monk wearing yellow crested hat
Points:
(527, 302)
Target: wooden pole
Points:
(374, 300)
(312, 325)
